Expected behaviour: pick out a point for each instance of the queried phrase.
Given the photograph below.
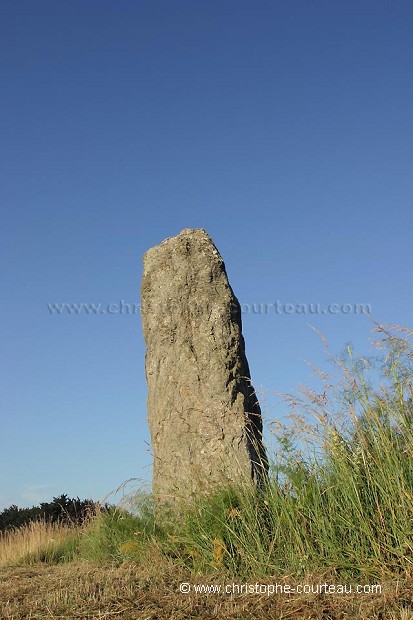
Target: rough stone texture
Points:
(204, 417)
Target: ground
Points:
(79, 591)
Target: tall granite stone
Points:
(204, 417)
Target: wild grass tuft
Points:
(117, 534)
(38, 541)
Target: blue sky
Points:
(282, 128)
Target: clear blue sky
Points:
(285, 129)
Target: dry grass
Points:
(80, 591)
(35, 539)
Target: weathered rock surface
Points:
(204, 417)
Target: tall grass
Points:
(118, 535)
(38, 541)
(340, 494)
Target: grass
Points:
(338, 508)
(38, 541)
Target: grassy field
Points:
(329, 537)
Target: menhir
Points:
(204, 417)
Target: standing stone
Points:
(204, 418)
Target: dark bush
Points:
(63, 509)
